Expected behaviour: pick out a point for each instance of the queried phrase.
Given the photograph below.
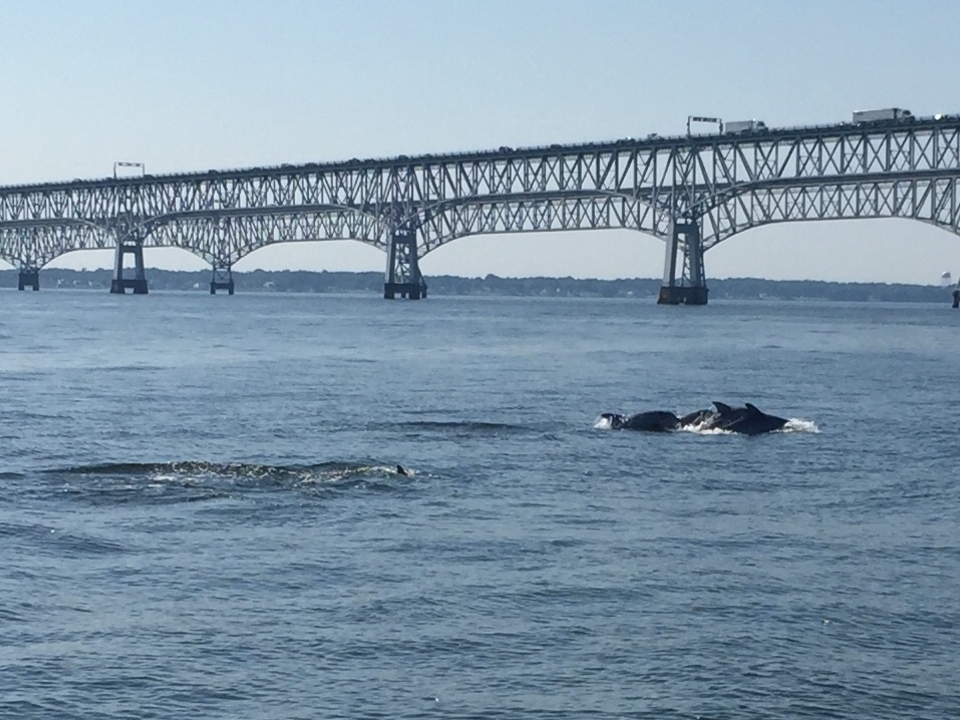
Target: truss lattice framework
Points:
(32, 247)
(540, 215)
(733, 182)
(930, 200)
(224, 241)
(221, 241)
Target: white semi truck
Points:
(735, 127)
(867, 116)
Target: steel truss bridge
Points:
(693, 192)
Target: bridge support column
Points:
(29, 277)
(222, 279)
(691, 287)
(403, 276)
(138, 283)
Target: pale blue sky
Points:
(214, 84)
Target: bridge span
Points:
(692, 191)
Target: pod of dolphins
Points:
(748, 420)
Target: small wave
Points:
(465, 425)
(64, 542)
(603, 423)
(358, 472)
(216, 480)
(127, 369)
(233, 471)
(10, 529)
(8, 615)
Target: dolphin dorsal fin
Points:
(753, 408)
(722, 407)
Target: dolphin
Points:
(651, 421)
(748, 420)
(697, 417)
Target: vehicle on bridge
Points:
(867, 116)
(735, 127)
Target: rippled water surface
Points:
(202, 514)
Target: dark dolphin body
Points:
(651, 421)
(697, 417)
(748, 420)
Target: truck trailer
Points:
(735, 127)
(867, 116)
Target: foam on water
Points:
(197, 471)
(602, 423)
(701, 429)
(797, 425)
(189, 481)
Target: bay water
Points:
(202, 516)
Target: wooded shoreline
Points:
(304, 281)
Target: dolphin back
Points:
(653, 421)
(747, 420)
(697, 417)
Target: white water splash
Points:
(358, 472)
(794, 425)
(803, 426)
(701, 429)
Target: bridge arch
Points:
(934, 201)
(445, 222)
(224, 240)
(35, 245)
(556, 253)
(838, 251)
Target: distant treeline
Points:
(372, 282)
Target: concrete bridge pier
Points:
(222, 279)
(690, 288)
(29, 277)
(138, 283)
(403, 276)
